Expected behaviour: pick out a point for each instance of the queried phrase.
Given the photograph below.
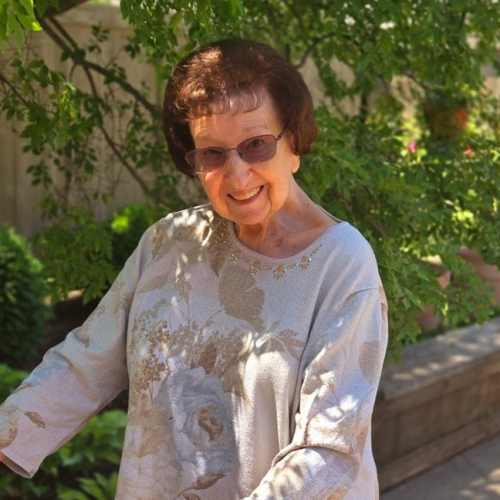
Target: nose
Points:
(236, 170)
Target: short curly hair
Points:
(230, 75)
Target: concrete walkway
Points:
(472, 475)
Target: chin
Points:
(249, 219)
(246, 217)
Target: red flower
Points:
(461, 116)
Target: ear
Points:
(296, 158)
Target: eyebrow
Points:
(249, 128)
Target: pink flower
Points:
(412, 147)
(469, 152)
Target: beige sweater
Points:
(249, 376)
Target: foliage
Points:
(22, 292)
(418, 189)
(10, 378)
(19, 16)
(80, 253)
(84, 469)
(15, 18)
(411, 207)
(127, 227)
(77, 254)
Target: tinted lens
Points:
(260, 148)
(252, 150)
(206, 158)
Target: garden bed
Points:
(441, 398)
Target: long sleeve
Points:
(329, 456)
(74, 380)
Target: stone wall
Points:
(440, 399)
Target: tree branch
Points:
(462, 19)
(79, 58)
(130, 169)
(63, 32)
(13, 89)
(363, 106)
(312, 47)
(63, 7)
(114, 147)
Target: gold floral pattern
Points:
(208, 421)
(36, 418)
(339, 493)
(222, 249)
(203, 428)
(82, 333)
(240, 296)
(120, 296)
(285, 341)
(219, 356)
(160, 239)
(281, 270)
(22, 387)
(218, 246)
(9, 421)
(220, 379)
(183, 286)
(150, 367)
(9, 416)
(190, 496)
(368, 360)
(156, 282)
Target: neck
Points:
(281, 230)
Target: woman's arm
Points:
(75, 379)
(343, 363)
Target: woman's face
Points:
(246, 193)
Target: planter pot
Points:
(446, 119)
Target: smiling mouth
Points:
(247, 195)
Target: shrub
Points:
(127, 227)
(81, 253)
(22, 291)
(9, 380)
(76, 253)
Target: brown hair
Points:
(230, 75)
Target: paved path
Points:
(472, 475)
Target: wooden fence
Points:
(19, 199)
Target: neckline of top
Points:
(309, 249)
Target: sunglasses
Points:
(252, 150)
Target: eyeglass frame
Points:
(226, 151)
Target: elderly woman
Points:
(250, 331)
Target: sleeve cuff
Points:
(17, 465)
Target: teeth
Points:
(245, 196)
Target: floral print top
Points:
(249, 377)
